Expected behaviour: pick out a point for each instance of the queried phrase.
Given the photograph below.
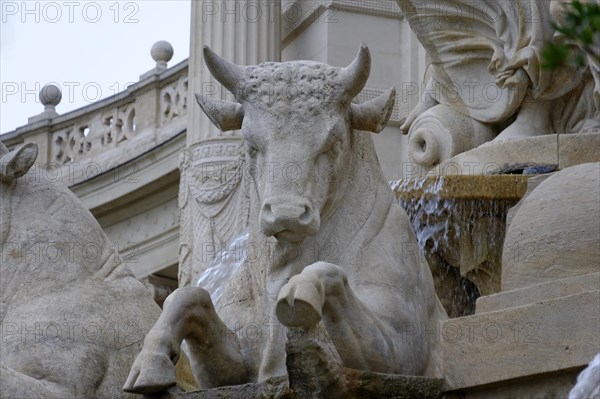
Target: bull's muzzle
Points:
(289, 218)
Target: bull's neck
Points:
(361, 203)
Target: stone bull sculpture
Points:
(73, 317)
(329, 244)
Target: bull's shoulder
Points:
(393, 265)
(394, 243)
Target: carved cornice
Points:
(386, 8)
(298, 14)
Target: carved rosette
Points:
(213, 201)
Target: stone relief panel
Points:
(94, 133)
(70, 144)
(213, 202)
(174, 100)
(119, 125)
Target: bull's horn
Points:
(225, 115)
(3, 149)
(16, 163)
(355, 75)
(227, 73)
(374, 114)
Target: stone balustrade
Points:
(103, 136)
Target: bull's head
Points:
(297, 119)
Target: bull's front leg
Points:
(363, 338)
(216, 360)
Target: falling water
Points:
(426, 211)
(456, 233)
(223, 267)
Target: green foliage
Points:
(582, 26)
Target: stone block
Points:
(489, 158)
(575, 149)
(551, 385)
(539, 292)
(521, 342)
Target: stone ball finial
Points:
(161, 52)
(50, 95)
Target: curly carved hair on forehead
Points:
(291, 82)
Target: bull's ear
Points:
(225, 115)
(374, 114)
(16, 163)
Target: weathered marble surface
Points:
(315, 371)
(73, 316)
(331, 247)
(558, 150)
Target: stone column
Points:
(214, 206)
(242, 31)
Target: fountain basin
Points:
(460, 223)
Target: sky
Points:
(90, 49)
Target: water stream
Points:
(214, 278)
(461, 236)
(427, 211)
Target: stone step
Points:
(522, 341)
(539, 292)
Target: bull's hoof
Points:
(300, 302)
(151, 372)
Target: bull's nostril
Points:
(267, 209)
(305, 218)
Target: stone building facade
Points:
(150, 166)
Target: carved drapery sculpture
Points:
(213, 202)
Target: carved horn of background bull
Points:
(3, 149)
(16, 163)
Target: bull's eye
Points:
(335, 148)
(251, 149)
